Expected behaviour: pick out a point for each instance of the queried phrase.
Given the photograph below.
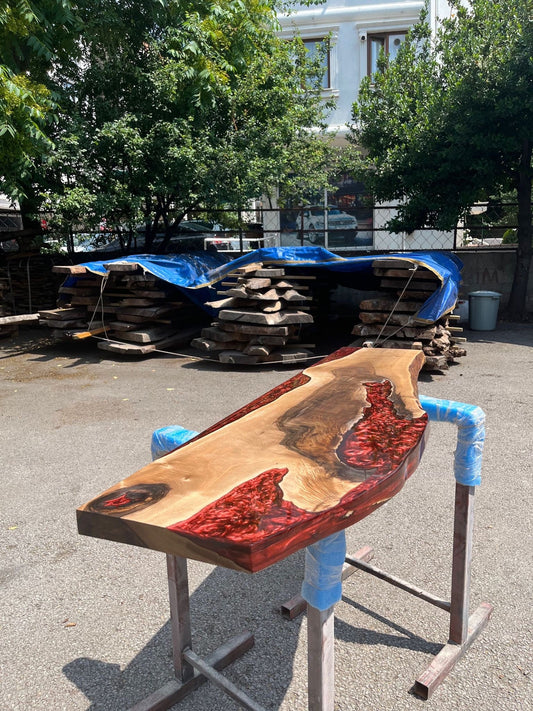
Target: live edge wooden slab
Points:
(310, 457)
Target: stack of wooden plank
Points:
(27, 284)
(130, 310)
(9, 324)
(261, 314)
(6, 306)
(390, 321)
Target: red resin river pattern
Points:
(256, 511)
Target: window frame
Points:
(385, 37)
(317, 40)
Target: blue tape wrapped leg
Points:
(166, 439)
(322, 585)
(470, 421)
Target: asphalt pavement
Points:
(84, 623)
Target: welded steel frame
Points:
(190, 670)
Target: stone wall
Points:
(490, 271)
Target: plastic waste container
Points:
(461, 310)
(483, 310)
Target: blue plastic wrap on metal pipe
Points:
(322, 585)
(470, 421)
(166, 439)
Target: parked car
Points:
(231, 243)
(186, 236)
(314, 218)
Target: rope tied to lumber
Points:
(214, 360)
(413, 270)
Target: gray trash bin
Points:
(483, 310)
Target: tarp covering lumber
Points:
(197, 274)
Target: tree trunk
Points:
(29, 206)
(152, 223)
(517, 307)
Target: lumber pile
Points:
(405, 288)
(10, 324)
(132, 311)
(26, 285)
(261, 314)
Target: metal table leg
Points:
(190, 670)
(463, 629)
(320, 659)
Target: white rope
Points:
(409, 321)
(100, 303)
(214, 360)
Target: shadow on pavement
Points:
(224, 604)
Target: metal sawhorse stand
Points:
(463, 628)
(190, 670)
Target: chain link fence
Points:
(340, 229)
(364, 229)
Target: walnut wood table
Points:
(299, 464)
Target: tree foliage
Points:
(450, 121)
(177, 104)
(32, 36)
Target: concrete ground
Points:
(84, 622)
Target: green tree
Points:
(182, 104)
(33, 35)
(450, 122)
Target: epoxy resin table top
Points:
(310, 457)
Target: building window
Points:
(388, 42)
(320, 44)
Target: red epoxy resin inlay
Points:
(381, 439)
(255, 510)
(250, 512)
(123, 500)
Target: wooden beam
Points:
(20, 318)
(81, 335)
(68, 269)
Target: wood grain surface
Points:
(310, 457)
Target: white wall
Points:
(416, 240)
(349, 22)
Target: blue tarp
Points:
(198, 273)
(189, 272)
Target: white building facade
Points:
(359, 30)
